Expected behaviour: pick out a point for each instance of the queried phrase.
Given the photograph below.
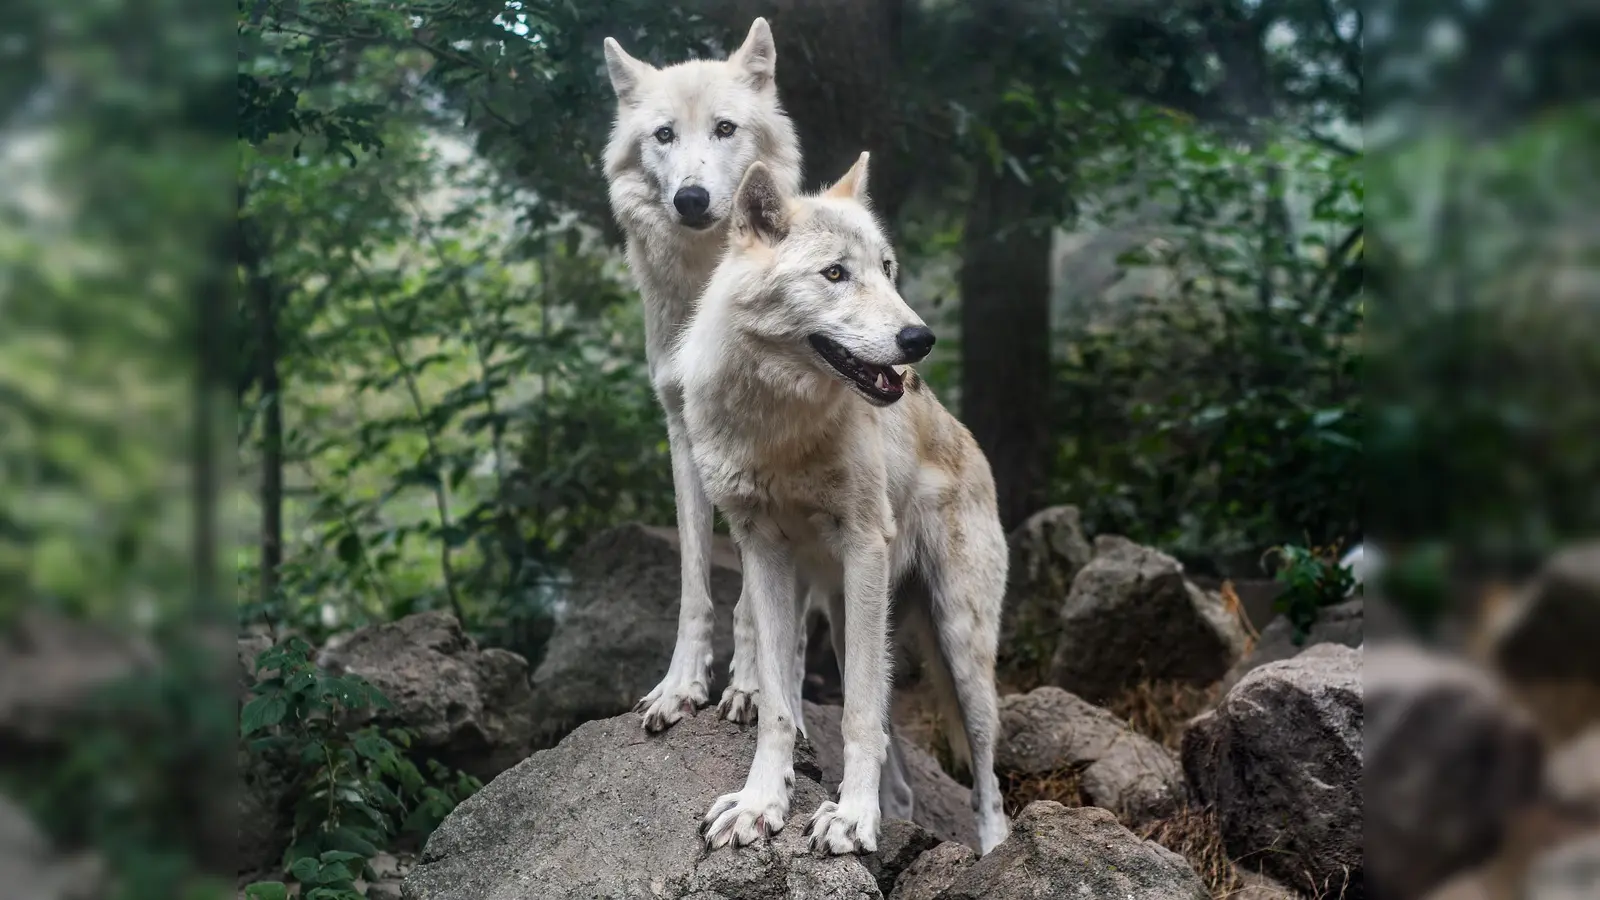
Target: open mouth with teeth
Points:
(880, 384)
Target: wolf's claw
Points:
(669, 703)
(738, 706)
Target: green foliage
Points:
(1485, 371)
(462, 407)
(355, 788)
(1312, 579)
(1220, 412)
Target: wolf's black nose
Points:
(916, 341)
(692, 201)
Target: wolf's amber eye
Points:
(726, 128)
(664, 134)
(835, 273)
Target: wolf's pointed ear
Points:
(626, 72)
(759, 209)
(853, 185)
(758, 56)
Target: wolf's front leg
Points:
(851, 824)
(760, 808)
(686, 686)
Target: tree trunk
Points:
(264, 312)
(1005, 339)
(271, 452)
(838, 64)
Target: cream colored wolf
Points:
(683, 137)
(838, 471)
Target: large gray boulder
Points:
(1047, 552)
(1550, 630)
(614, 812)
(1280, 760)
(1132, 616)
(943, 805)
(1449, 758)
(1341, 624)
(933, 871)
(467, 707)
(1054, 851)
(900, 845)
(614, 640)
(1049, 730)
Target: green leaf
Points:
(305, 869)
(267, 890)
(349, 839)
(349, 549)
(371, 745)
(262, 712)
(335, 873)
(339, 856)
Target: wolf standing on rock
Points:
(683, 137)
(838, 469)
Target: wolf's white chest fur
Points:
(809, 465)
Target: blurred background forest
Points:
(1139, 229)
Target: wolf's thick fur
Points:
(671, 260)
(846, 477)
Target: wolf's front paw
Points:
(745, 816)
(672, 699)
(738, 704)
(850, 828)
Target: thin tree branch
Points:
(1337, 261)
(1332, 145)
(435, 458)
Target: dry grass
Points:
(1193, 835)
(1064, 786)
(1159, 710)
(917, 720)
(1230, 599)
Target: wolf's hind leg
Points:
(964, 610)
(740, 698)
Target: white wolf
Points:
(837, 469)
(683, 137)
